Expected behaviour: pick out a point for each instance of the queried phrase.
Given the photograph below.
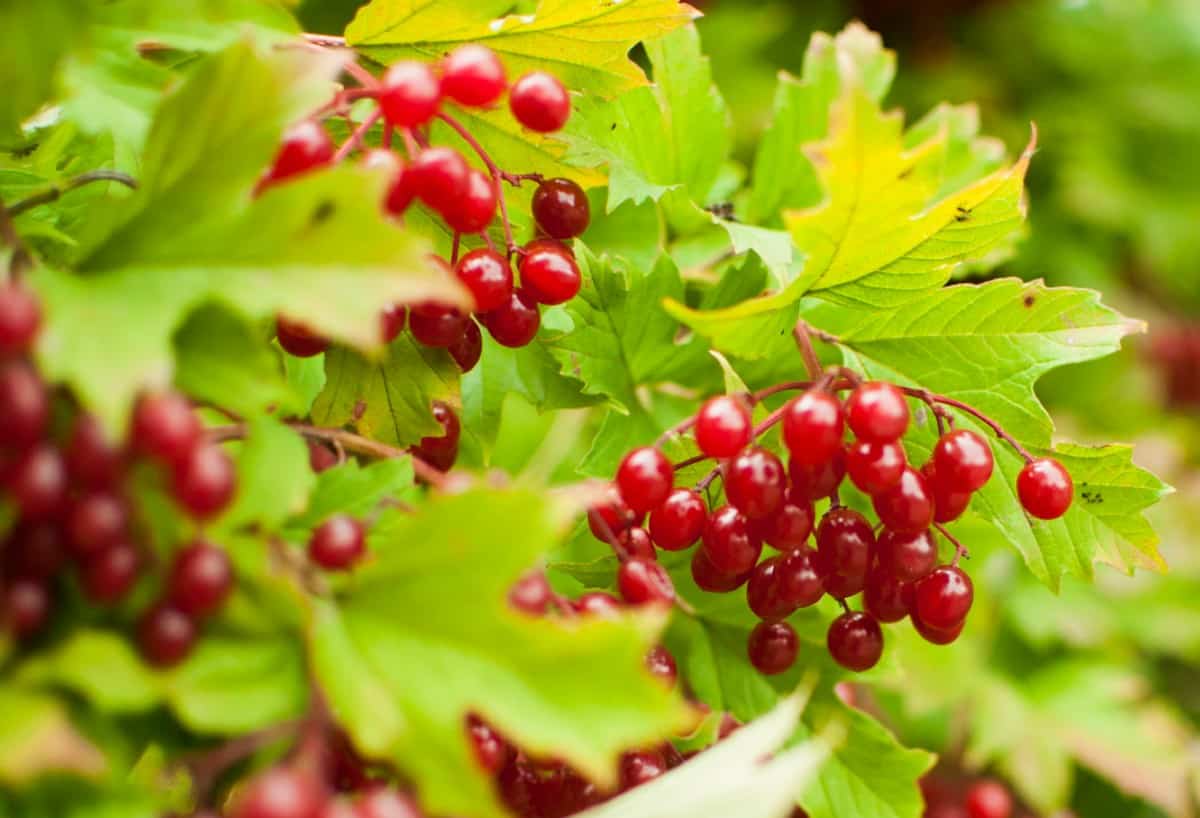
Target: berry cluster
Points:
(965, 797)
(895, 566)
(1175, 350)
(298, 791)
(409, 97)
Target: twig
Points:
(206, 767)
(356, 138)
(21, 260)
(52, 194)
(495, 172)
(812, 363)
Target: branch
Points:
(206, 767)
(21, 259)
(52, 194)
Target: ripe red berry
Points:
(855, 641)
(844, 542)
(473, 75)
(640, 766)
(515, 322)
(531, 594)
(788, 528)
(635, 544)
(644, 582)
(439, 177)
(26, 607)
(165, 427)
(204, 482)
(24, 405)
(549, 272)
(800, 580)
(540, 102)
(773, 647)
(92, 460)
(1045, 488)
(723, 426)
(877, 412)
(989, 798)
(401, 191)
(442, 450)
(392, 321)
(661, 663)
(20, 317)
(38, 483)
(907, 506)
(97, 520)
(280, 792)
(963, 459)
(729, 542)
(110, 574)
(936, 636)
(944, 597)
(949, 502)
(436, 325)
(34, 551)
(764, 592)
(200, 580)
(306, 145)
(645, 479)
(608, 518)
(885, 596)
(491, 750)
(380, 802)
(875, 467)
(708, 578)
(813, 426)
(811, 483)
(755, 483)
(476, 209)
(678, 523)
(561, 208)
(909, 556)
(410, 94)
(598, 604)
(298, 339)
(468, 349)
(487, 275)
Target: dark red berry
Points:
(723, 426)
(936, 636)
(708, 578)
(515, 322)
(110, 574)
(437, 325)
(964, 459)
(200, 580)
(92, 460)
(38, 483)
(549, 272)
(944, 597)
(491, 750)
(845, 542)
(875, 467)
(305, 146)
(487, 275)
(988, 798)
(21, 316)
(97, 520)
(298, 339)
(909, 556)
(813, 427)
(280, 792)
(885, 596)
(468, 349)
(205, 481)
(410, 94)
(477, 207)
(855, 641)
(635, 543)
(788, 528)
(539, 102)
(640, 766)
(473, 75)
(773, 647)
(26, 607)
(678, 523)
(949, 502)
(439, 177)
(765, 591)
(811, 483)
(906, 507)
(321, 457)
(561, 209)
(531, 594)
(643, 582)
(1045, 488)
(441, 451)
(877, 412)
(661, 663)
(338, 543)
(392, 321)
(729, 543)
(755, 483)
(24, 405)
(800, 580)
(645, 479)
(165, 427)
(599, 604)
(34, 551)
(610, 517)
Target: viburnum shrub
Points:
(391, 422)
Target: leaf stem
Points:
(53, 193)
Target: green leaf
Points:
(274, 477)
(425, 635)
(100, 666)
(585, 43)
(30, 57)
(354, 489)
(37, 737)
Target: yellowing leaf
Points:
(36, 737)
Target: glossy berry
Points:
(944, 597)
(678, 522)
(875, 467)
(381, 802)
(708, 578)
(26, 608)
(949, 502)
(540, 102)
(306, 145)
(204, 482)
(201, 579)
(813, 426)
(773, 647)
(473, 75)
(280, 792)
(477, 207)
(639, 767)
(885, 596)
(645, 479)
(764, 592)
(24, 405)
(531, 594)
(401, 192)
(410, 94)
(643, 582)
(1045, 488)
(845, 542)
(92, 460)
(963, 459)
(20, 317)
(598, 604)
(800, 580)
(561, 209)
(729, 542)
(788, 528)
(723, 426)
(487, 275)
(97, 520)
(436, 325)
(811, 483)
(548, 270)
(906, 507)
(755, 483)
(297, 339)
(165, 427)
(855, 641)
(936, 636)
(661, 663)
(608, 518)
(989, 798)
(909, 557)
(441, 451)
(468, 349)
(439, 177)
(392, 321)
(320, 457)
(877, 412)
(38, 483)
(635, 544)
(110, 574)
(491, 750)
(515, 322)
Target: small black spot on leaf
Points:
(1028, 300)
(323, 212)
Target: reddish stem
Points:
(495, 172)
(960, 551)
(355, 139)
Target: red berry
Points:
(92, 460)
(306, 145)
(944, 597)
(877, 412)
(473, 75)
(936, 636)
(598, 604)
(949, 502)
(549, 272)
(34, 551)
(640, 766)
(96, 521)
(810, 483)
(708, 578)
(382, 161)
(205, 481)
(487, 275)
(165, 427)
(855, 641)
(297, 339)
(635, 544)
(515, 322)
(539, 102)
(200, 580)
(410, 94)
(729, 542)
(643, 582)
(764, 592)
(379, 802)
(645, 479)
(1045, 488)
(436, 325)
(813, 427)
(26, 607)
(476, 209)
(678, 523)
(963, 459)
(401, 191)
(38, 483)
(773, 647)
(561, 208)
(610, 517)
(723, 426)
(280, 792)
(439, 177)
(755, 483)
(491, 750)
(661, 663)
(20, 317)
(531, 594)
(320, 457)
(110, 574)
(875, 467)
(988, 798)
(468, 349)
(909, 556)
(845, 541)
(24, 405)
(441, 451)
(392, 321)
(800, 581)
(885, 596)
(788, 528)
(906, 507)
